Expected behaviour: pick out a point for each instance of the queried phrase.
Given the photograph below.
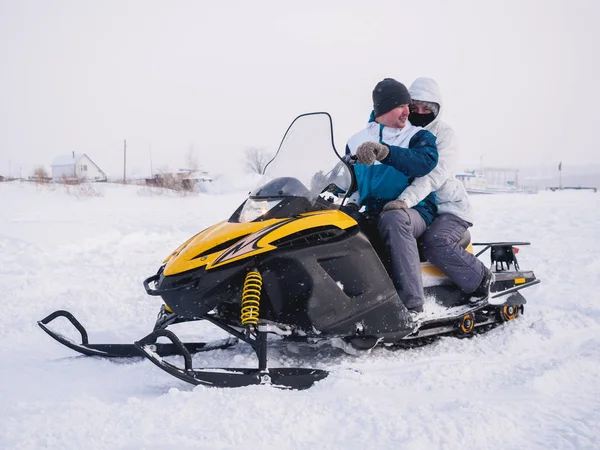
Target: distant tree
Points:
(40, 175)
(256, 160)
(191, 159)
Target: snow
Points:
(531, 383)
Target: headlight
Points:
(256, 208)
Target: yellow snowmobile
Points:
(288, 262)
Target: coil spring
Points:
(251, 298)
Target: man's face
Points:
(396, 118)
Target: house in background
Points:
(77, 166)
(493, 180)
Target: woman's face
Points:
(419, 108)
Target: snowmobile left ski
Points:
(122, 350)
(288, 262)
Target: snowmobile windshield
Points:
(306, 163)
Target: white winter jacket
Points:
(450, 193)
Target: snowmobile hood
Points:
(229, 242)
(427, 90)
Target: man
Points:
(441, 239)
(391, 152)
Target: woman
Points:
(441, 239)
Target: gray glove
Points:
(368, 152)
(395, 204)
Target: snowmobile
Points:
(290, 263)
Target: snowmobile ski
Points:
(121, 350)
(285, 377)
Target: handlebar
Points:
(350, 159)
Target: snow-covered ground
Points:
(532, 383)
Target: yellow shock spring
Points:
(251, 298)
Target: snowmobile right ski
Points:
(281, 377)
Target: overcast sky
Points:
(520, 78)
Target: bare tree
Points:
(256, 160)
(191, 160)
(40, 175)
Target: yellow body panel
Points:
(182, 259)
(181, 247)
(252, 244)
(432, 271)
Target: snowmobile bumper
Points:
(120, 350)
(508, 292)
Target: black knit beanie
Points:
(389, 94)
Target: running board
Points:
(121, 350)
(444, 329)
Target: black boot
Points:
(483, 290)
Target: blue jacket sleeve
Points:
(418, 159)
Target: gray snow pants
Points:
(399, 230)
(440, 247)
